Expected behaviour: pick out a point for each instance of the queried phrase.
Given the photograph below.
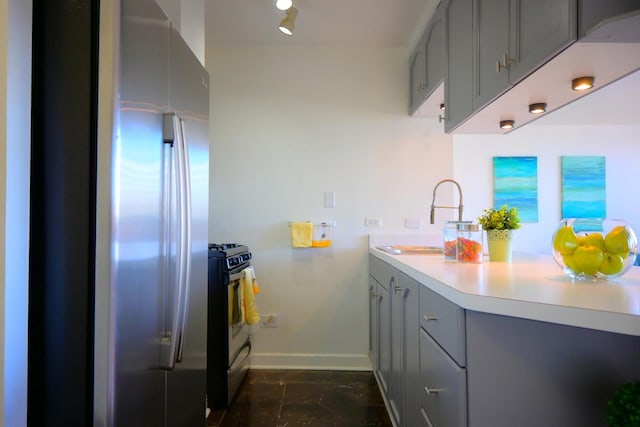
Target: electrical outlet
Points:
(269, 320)
(373, 222)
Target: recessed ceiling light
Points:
(507, 124)
(538, 108)
(582, 83)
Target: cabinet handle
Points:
(432, 390)
(427, 318)
(506, 61)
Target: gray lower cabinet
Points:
(381, 275)
(394, 344)
(405, 310)
(444, 386)
(439, 365)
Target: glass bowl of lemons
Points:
(591, 249)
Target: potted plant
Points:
(499, 225)
(623, 408)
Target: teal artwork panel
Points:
(515, 182)
(583, 187)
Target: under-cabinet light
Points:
(582, 83)
(538, 108)
(507, 124)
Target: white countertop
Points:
(530, 287)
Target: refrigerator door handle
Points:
(170, 341)
(187, 237)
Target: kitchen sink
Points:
(410, 250)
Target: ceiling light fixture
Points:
(538, 108)
(507, 124)
(284, 4)
(288, 24)
(582, 83)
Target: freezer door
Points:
(189, 99)
(139, 224)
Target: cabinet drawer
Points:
(383, 272)
(444, 395)
(444, 321)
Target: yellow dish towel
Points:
(301, 234)
(251, 315)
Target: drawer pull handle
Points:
(427, 318)
(432, 390)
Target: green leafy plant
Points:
(623, 408)
(505, 218)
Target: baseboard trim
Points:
(337, 362)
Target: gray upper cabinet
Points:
(540, 29)
(492, 46)
(427, 63)
(418, 74)
(458, 86)
(434, 51)
(491, 43)
(514, 37)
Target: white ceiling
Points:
(320, 22)
(387, 23)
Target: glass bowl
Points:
(591, 249)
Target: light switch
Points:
(330, 199)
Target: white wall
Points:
(188, 18)
(287, 125)
(473, 167)
(15, 125)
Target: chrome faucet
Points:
(433, 206)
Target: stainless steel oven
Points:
(228, 335)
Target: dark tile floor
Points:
(291, 398)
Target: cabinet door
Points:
(434, 51)
(384, 337)
(374, 329)
(411, 350)
(491, 46)
(539, 30)
(418, 74)
(405, 350)
(444, 393)
(458, 84)
(397, 353)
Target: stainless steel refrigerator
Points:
(119, 271)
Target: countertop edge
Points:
(608, 321)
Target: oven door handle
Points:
(236, 276)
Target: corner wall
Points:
(288, 124)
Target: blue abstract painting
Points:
(583, 187)
(515, 182)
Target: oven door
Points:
(238, 329)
